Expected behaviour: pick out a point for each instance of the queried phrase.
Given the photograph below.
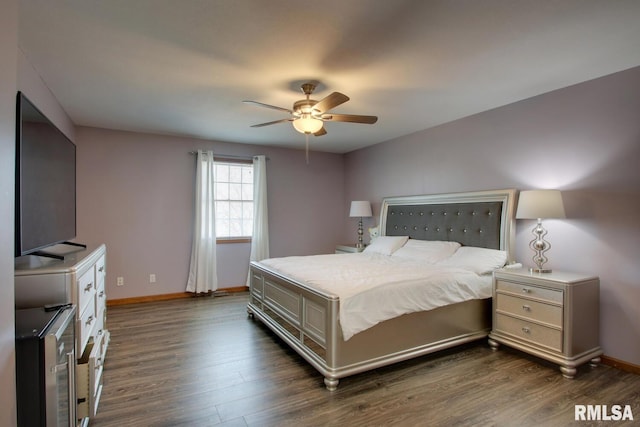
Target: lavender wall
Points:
(583, 140)
(136, 194)
(8, 87)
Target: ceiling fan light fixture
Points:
(307, 124)
(308, 115)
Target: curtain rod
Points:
(230, 156)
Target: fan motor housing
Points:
(304, 106)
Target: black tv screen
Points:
(45, 181)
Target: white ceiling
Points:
(183, 67)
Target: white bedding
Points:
(373, 288)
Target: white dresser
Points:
(550, 315)
(77, 279)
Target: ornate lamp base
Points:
(360, 244)
(539, 246)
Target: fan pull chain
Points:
(306, 135)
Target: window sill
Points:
(234, 240)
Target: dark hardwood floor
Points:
(203, 362)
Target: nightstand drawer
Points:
(534, 310)
(541, 335)
(529, 291)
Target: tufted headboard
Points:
(481, 218)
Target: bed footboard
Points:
(307, 320)
(303, 317)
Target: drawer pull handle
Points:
(88, 287)
(101, 294)
(526, 290)
(101, 269)
(98, 363)
(526, 330)
(89, 320)
(526, 307)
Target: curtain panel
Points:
(203, 274)
(260, 237)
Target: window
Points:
(233, 200)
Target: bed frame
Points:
(307, 319)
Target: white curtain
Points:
(260, 237)
(203, 276)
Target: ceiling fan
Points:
(308, 115)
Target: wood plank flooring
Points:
(203, 362)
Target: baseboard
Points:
(620, 364)
(178, 295)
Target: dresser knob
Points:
(526, 307)
(526, 330)
(526, 290)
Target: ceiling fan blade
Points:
(321, 132)
(330, 101)
(351, 118)
(271, 123)
(273, 107)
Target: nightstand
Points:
(348, 249)
(554, 316)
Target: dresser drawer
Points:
(84, 328)
(101, 272)
(89, 376)
(528, 331)
(98, 324)
(86, 289)
(534, 310)
(529, 291)
(100, 307)
(101, 299)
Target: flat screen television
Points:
(45, 182)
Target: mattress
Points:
(373, 287)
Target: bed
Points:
(307, 317)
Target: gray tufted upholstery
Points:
(470, 224)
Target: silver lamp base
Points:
(360, 243)
(539, 246)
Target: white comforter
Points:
(373, 287)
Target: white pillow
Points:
(478, 260)
(386, 245)
(428, 251)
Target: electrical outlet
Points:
(152, 278)
(120, 281)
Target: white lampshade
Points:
(360, 208)
(307, 124)
(534, 204)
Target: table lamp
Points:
(360, 209)
(538, 204)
